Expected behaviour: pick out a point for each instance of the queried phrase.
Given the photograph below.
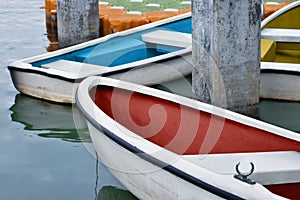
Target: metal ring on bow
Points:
(247, 173)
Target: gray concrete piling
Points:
(77, 21)
(226, 53)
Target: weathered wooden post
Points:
(77, 21)
(226, 53)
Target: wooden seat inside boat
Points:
(169, 38)
(269, 167)
(289, 67)
(74, 69)
(281, 35)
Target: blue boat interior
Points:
(123, 49)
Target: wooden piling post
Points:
(226, 53)
(77, 21)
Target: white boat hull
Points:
(58, 88)
(280, 86)
(131, 171)
(280, 77)
(150, 171)
(54, 76)
(43, 86)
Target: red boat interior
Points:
(184, 130)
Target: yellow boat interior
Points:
(280, 51)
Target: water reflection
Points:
(285, 114)
(114, 193)
(49, 120)
(52, 120)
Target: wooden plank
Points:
(292, 67)
(170, 38)
(77, 69)
(281, 35)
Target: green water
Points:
(42, 156)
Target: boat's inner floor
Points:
(185, 130)
(127, 49)
(123, 53)
(287, 52)
(280, 52)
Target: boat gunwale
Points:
(277, 67)
(292, 68)
(181, 100)
(26, 67)
(279, 12)
(157, 162)
(166, 166)
(281, 71)
(175, 168)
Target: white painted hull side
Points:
(59, 88)
(131, 171)
(284, 83)
(44, 87)
(158, 73)
(51, 84)
(272, 85)
(280, 86)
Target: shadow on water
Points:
(50, 120)
(281, 113)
